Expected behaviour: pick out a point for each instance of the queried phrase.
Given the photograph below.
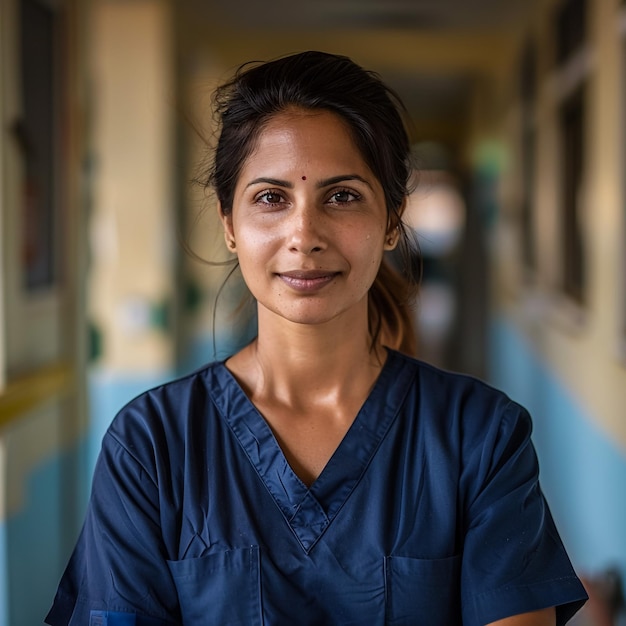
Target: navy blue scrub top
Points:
(429, 513)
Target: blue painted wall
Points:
(583, 472)
(36, 541)
(4, 577)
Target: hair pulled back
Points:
(373, 113)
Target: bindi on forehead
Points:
(304, 178)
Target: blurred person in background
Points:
(320, 475)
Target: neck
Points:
(301, 364)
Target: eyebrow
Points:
(270, 181)
(339, 179)
(326, 182)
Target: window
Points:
(37, 135)
(570, 29)
(572, 158)
(572, 62)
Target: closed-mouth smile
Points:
(307, 280)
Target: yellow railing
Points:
(30, 390)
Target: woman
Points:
(317, 477)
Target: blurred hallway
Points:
(517, 118)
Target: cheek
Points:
(255, 249)
(254, 239)
(374, 243)
(368, 256)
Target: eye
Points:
(343, 196)
(270, 197)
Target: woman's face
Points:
(308, 221)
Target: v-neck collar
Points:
(310, 510)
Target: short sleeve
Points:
(118, 572)
(513, 559)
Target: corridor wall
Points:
(558, 250)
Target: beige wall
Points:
(132, 231)
(583, 345)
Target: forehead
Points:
(294, 116)
(299, 135)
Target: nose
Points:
(305, 233)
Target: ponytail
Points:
(390, 311)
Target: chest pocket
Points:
(422, 592)
(221, 589)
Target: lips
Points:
(307, 280)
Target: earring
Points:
(231, 244)
(391, 241)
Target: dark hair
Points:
(373, 113)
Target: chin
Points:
(317, 316)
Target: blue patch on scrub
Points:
(110, 618)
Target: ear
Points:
(393, 227)
(391, 239)
(227, 223)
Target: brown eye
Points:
(343, 197)
(269, 197)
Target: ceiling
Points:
(354, 14)
(430, 51)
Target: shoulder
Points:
(472, 429)
(166, 416)
(455, 392)
(461, 411)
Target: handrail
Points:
(27, 392)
